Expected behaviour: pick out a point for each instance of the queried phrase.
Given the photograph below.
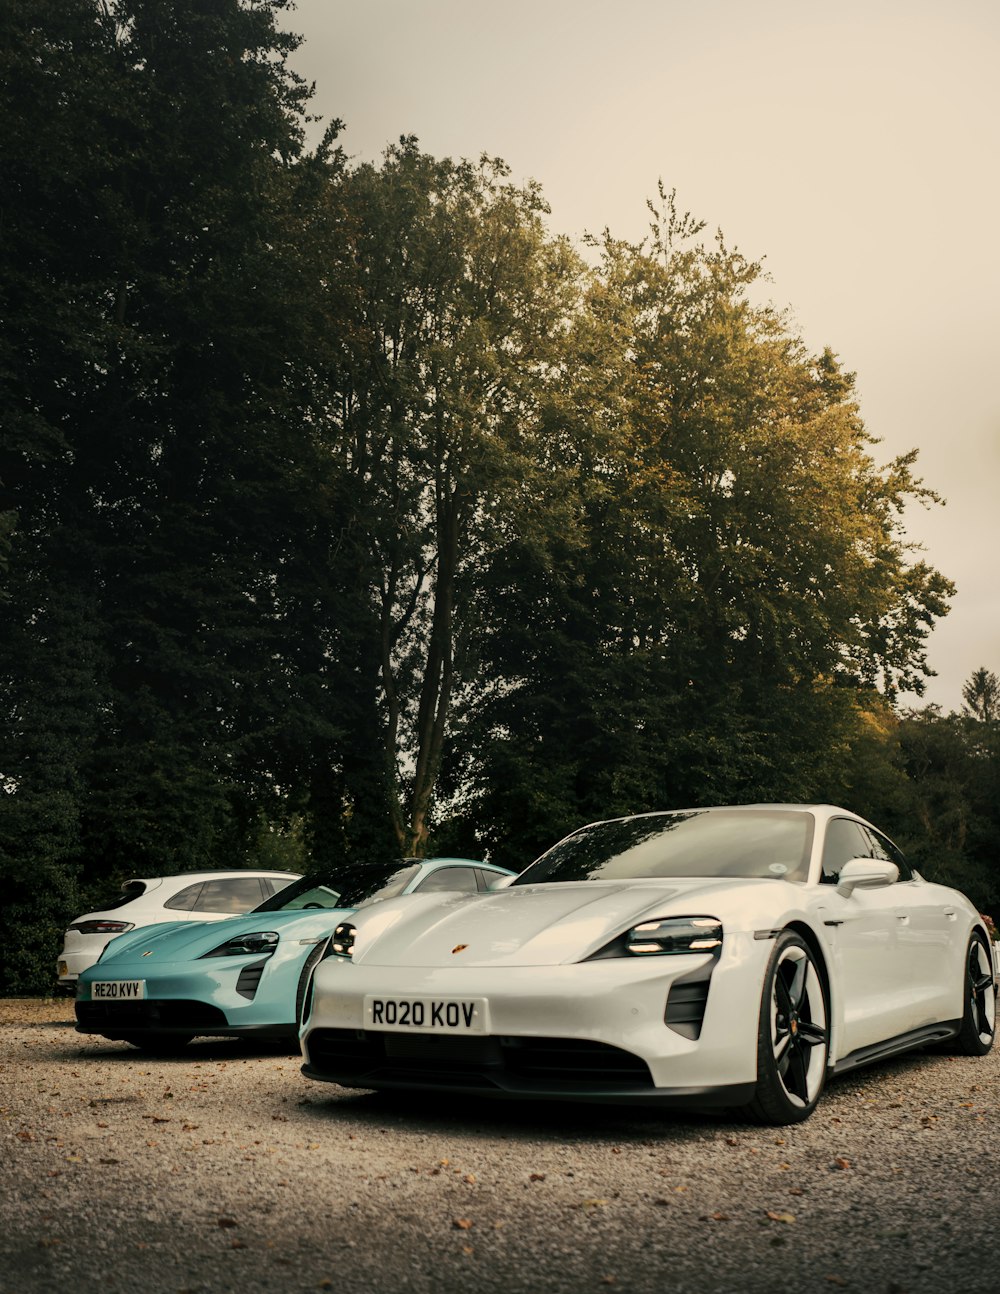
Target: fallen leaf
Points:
(462, 1224)
(720, 1217)
(537, 1177)
(841, 1162)
(780, 1217)
(227, 1222)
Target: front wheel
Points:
(979, 1012)
(793, 1039)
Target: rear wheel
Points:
(793, 1041)
(979, 1014)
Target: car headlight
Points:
(342, 942)
(666, 937)
(251, 945)
(674, 935)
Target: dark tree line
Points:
(347, 509)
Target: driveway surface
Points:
(227, 1170)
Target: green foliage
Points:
(344, 510)
(159, 288)
(734, 586)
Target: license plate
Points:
(63, 968)
(118, 990)
(427, 1014)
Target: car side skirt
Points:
(922, 1037)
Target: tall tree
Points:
(745, 586)
(158, 297)
(462, 299)
(981, 694)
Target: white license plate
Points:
(427, 1014)
(118, 990)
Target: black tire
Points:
(159, 1044)
(979, 996)
(793, 1037)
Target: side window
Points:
(239, 894)
(450, 878)
(185, 900)
(886, 850)
(486, 878)
(844, 841)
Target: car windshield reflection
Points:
(773, 844)
(346, 887)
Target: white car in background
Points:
(150, 901)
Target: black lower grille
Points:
(508, 1064)
(249, 979)
(685, 1012)
(148, 1014)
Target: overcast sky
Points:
(854, 147)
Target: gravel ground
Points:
(227, 1170)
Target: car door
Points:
(875, 992)
(926, 922)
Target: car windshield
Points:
(350, 886)
(698, 842)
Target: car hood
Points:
(188, 940)
(531, 925)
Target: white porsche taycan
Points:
(733, 956)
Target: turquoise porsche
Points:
(157, 988)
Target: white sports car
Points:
(732, 956)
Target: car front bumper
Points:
(598, 1030)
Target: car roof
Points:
(188, 877)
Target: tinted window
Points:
(239, 894)
(884, 848)
(844, 840)
(130, 890)
(349, 886)
(763, 843)
(450, 878)
(184, 900)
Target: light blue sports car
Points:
(159, 987)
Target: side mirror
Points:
(501, 883)
(866, 874)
